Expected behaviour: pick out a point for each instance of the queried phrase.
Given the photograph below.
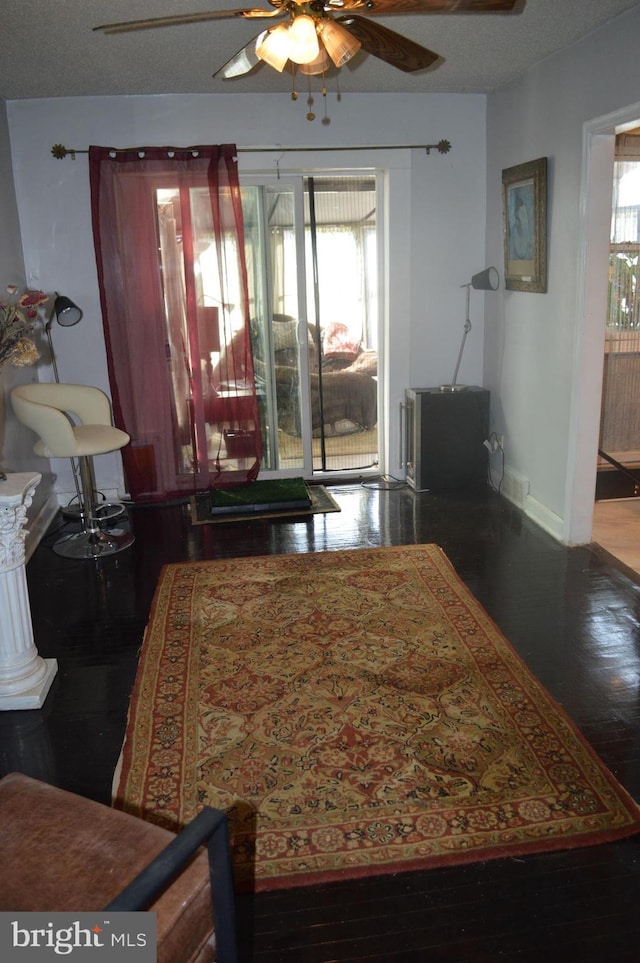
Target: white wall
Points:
(436, 209)
(543, 352)
(15, 443)
(538, 353)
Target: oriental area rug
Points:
(356, 713)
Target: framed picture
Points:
(524, 214)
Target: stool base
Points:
(93, 544)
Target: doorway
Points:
(312, 248)
(583, 521)
(617, 510)
(593, 252)
(619, 446)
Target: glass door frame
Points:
(296, 184)
(296, 181)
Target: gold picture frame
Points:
(524, 215)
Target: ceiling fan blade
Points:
(388, 45)
(247, 13)
(372, 8)
(241, 63)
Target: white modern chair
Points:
(47, 410)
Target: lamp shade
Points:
(317, 66)
(67, 313)
(487, 280)
(303, 40)
(273, 47)
(341, 45)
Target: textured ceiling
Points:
(49, 49)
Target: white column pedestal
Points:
(25, 677)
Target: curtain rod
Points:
(59, 151)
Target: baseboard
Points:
(547, 520)
(513, 486)
(39, 524)
(516, 489)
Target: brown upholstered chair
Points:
(62, 852)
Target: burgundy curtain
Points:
(169, 242)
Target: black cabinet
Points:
(445, 432)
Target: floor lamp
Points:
(487, 280)
(66, 313)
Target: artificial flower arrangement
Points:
(18, 315)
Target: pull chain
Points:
(326, 120)
(310, 113)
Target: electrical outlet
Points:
(493, 444)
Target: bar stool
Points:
(47, 410)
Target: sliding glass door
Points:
(280, 340)
(311, 251)
(312, 248)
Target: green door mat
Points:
(282, 494)
(322, 502)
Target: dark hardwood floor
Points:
(573, 618)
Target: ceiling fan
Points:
(322, 33)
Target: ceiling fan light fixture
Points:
(273, 47)
(303, 40)
(318, 66)
(340, 44)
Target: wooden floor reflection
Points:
(571, 615)
(616, 529)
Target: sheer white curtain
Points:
(157, 213)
